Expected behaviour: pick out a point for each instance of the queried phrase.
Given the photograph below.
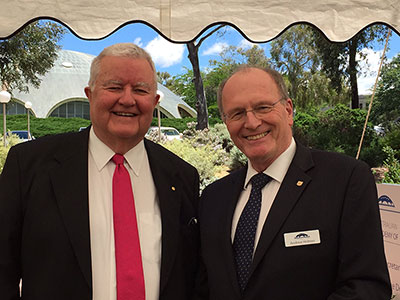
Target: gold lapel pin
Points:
(173, 188)
(299, 183)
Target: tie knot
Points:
(118, 159)
(259, 180)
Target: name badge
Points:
(302, 238)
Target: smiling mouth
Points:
(258, 136)
(123, 114)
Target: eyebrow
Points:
(110, 82)
(143, 84)
(118, 82)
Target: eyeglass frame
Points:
(254, 111)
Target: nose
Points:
(251, 121)
(127, 97)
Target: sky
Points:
(172, 57)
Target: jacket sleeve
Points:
(362, 270)
(10, 228)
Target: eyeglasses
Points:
(259, 112)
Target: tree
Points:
(231, 57)
(386, 106)
(339, 60)
(183, 86)
(201, 103)
(29, 54)
(294, 55)
(165, 79)
(316, 91)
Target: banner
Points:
(389, 205)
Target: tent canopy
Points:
(184, 20)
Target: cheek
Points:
(233, 131)
(145, 105)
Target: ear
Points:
(156, 99)
(88, 93)
(289, 110)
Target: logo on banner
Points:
(385, 201)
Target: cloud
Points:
(138, 41)
(165, 53)
(369, 69)
(245, 44)
(216, 49)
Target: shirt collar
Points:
(277, 170)
(102, 154)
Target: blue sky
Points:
(172, 57)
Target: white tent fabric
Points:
(183, 20)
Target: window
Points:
(73, 109)
(15, 108)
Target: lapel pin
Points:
(299, 183)
(173, 188)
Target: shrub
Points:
(236, 159)
(181, 124)
(393, 166)
(45, 126)
(304, 128)
(11, 141)
(202, 158)
(392, 139)
(339, 129)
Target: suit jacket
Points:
(328, 192)
(44, 220)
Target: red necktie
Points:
(128, 258)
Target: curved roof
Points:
(67, 79)
(66, 82)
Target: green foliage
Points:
(339, 60)
(236, 159)
(181, 124)
(304, 128)
(11, 141)
(393, 166)
(294, 55)
(392, 139)
(202, 158)
(316, 91)
(203, 149)
(213, 111)
(165, 79)
(183, 86)
(230, 58)
(29, 54)
(386, 105)
(44, 126)
(339, 130)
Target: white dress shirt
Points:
(101, 170)
(277, 171)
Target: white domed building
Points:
(61, 92)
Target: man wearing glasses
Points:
(294, 223)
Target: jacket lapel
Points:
(169, 189)
(293, 185)
(70, 184)
(231, 195)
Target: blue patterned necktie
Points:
(243, 244)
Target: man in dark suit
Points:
(305, 227)
(57, 203)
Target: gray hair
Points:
(276, 77)
(128, 50)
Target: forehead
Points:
(250, 85)
(125, 69)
